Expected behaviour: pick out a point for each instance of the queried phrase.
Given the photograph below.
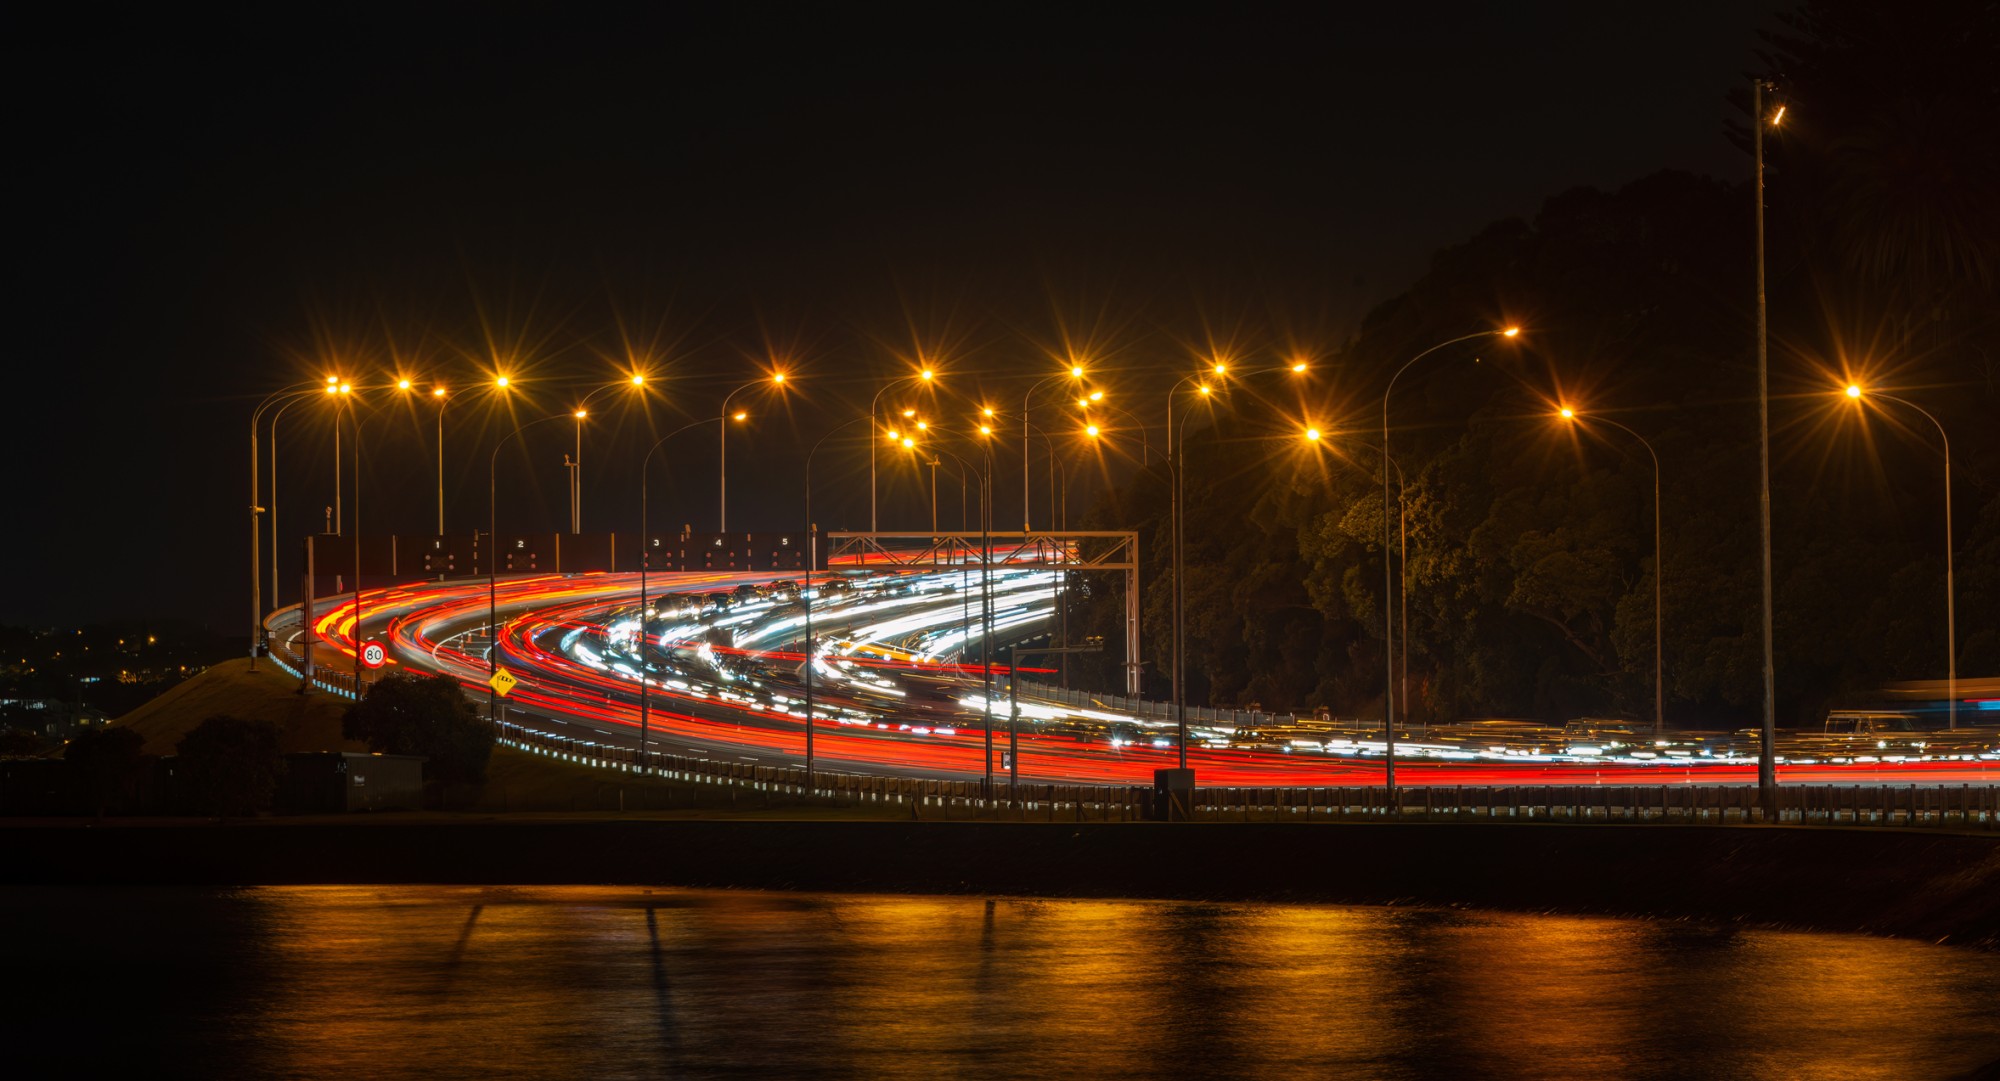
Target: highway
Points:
(894, 693)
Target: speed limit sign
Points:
(373, 655)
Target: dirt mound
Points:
(305, 722)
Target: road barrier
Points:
(1085, 802)
(1967, 805)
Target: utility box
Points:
(335, 782)
(1173, 795)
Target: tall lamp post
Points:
(286, 396)
(492, 555)
(1659, 571)
(1176, 434)
(330, 390)
(925, 375)
(1075, 372)
(1314, 435)
(1388, 563)
(442, 399)
(985, 430)
(1855, 393)
(359, 670)
(1767, 762)
(806, 594)
(645, 563)
(777, 379)
(636, 382)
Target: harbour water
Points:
(433, 982)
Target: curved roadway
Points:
(893, 692)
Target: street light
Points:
(1176, 493)
(1074, 373)
(775, 379)
(1145, 438)
(1855, 393)
(805, 594)
(635, 382)
(645, 563)
(287, 396)
(985, 590)
(924, 376)
(492, 556)
(1314, 435)
(442, 399)
(1176, 464)
(1388, 564)
(1659, 572)
(1767, 761)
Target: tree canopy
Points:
(1530, 562)
(424, 715)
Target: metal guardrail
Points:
(1966, 805)
(1103, 801)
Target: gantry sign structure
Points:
(1082, 551)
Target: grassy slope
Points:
(306, 722)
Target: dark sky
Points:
(215, 207)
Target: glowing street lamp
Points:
(1074, 373)
(646, 549)
(1177, 434)
(286, 396)
(636, 382)
(1388, 567)
(491, 555)
(775, 379)
(925, 376)
(1855, 394)
(1767, 737)
(1569, 415)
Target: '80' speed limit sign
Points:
(373, 655)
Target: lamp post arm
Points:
(1659, 572)
(1950, 586)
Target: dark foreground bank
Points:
(1937, 887)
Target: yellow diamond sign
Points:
(502, 682)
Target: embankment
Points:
(1920, 884)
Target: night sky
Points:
(215, 208)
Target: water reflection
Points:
(591, 981)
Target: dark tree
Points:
(106, 767)
(425, 715)
(230, 765)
